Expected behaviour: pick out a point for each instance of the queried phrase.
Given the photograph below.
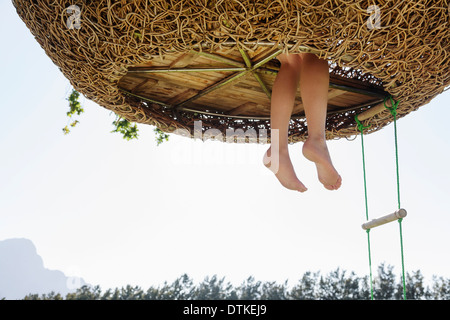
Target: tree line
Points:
(336, 285)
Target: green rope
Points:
(370, 264)
(393, 110)
(361, 128)
(403, 260)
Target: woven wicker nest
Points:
(171, 63)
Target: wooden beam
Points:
(172, 70)
(183, 60)
(143, 83)
(219, 58)
(189, 93)
(215, 86)
(262, 84)
(333, 93)
(374, 110)
(242, 108)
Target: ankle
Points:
(283, 149)
(316, 138)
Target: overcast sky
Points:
(119, 212)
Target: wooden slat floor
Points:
(226, 82)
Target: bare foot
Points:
(316, 151)
(285, 173)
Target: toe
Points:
(338, 183)
(301, 187)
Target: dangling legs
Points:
(314, 92)
(282, 103)
(314, 86)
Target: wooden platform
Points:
(232, 82)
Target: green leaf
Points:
(75, 109)
(128, 130)
(161, 136)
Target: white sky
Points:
(119, 212)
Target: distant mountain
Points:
(22, 272)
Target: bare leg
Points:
(282, 103)
(314, 86)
